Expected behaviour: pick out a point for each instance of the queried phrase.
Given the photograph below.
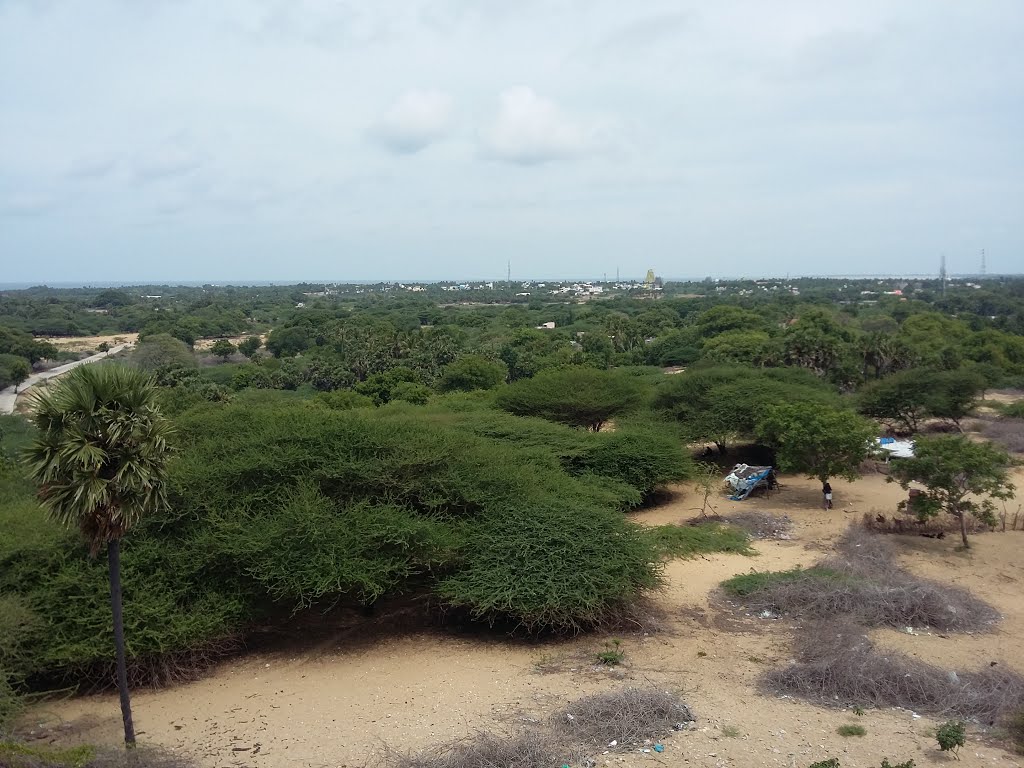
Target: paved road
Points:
(8, 396)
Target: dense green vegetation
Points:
(343, 446)
(279, 504)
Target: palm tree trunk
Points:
(114, 565)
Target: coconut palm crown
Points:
(101, 454)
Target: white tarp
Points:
(897, 449)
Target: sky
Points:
(164, 140)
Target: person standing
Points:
(826, 491)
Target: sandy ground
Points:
(342, 706)
(202, 345)
(83, 343)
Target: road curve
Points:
(8, 396)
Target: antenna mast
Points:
(942, 273)
(508, 273)
(982, 262)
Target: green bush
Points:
(851, 730)
(344, 400)
(473, 372)
(563, 566)
(641, 457)
(279, 503)
(1013, 410)
(951, 736)
(162, 350)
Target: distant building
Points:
(546, 326)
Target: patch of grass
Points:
(628, 717)
(612, 655)
(701, 654)
(746, 584)
(851, 730)
(730, 731)
(832, 762)
(693, 540)
(15, 435)
(1013, 410)
(18, 755)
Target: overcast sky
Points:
(431, 139)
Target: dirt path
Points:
(343, 706)
(9, 396)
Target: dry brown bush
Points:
(483, 750)
(838, 666)
(628, 717)
(1007, 432)
(910, 525)
(864, 583)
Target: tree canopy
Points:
(580, 397)
(821, 441)
(962, 478)
(162, 351)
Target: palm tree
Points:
(101, 463)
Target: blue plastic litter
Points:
(659, 747)
(752, 481)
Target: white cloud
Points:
(168, 160)
(415, 121)
(91, 167)
(530, 130)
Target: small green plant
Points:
(701, 654)
(730, 731)
(755, 659)
(612, 655)
(851, 730)
(832, 762)
(887, 764)
(858, 711)
(951, 736)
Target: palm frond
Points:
(101, 453)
